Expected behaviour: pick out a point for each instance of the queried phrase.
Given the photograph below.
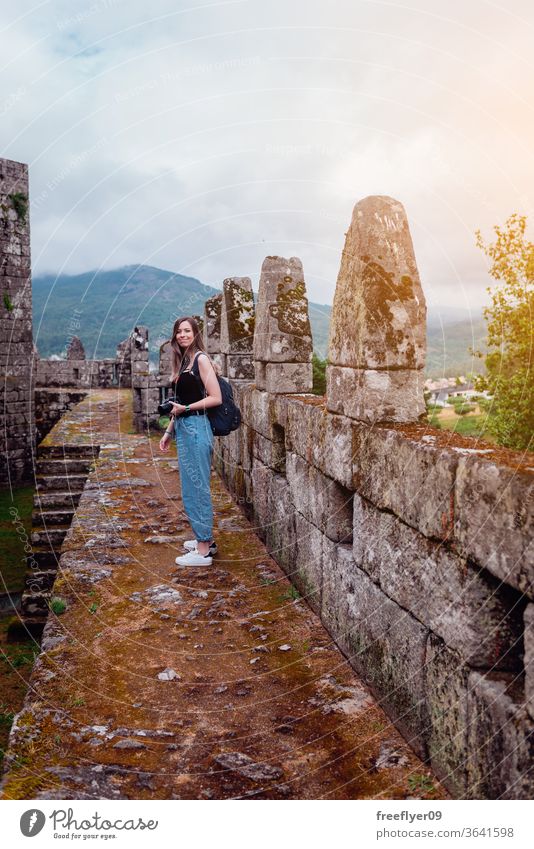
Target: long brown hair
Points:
(177, 355)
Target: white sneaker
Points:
(194, 558)
(191, 545)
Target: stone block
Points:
(212, 325)
(338, 567)
(387, 647)
(237, 317)
(529, 658)
(307, 573)
(446, 680)
(293, 377)
(261, 486)
(260, 415)
(467, 607)
(500, 746)
(271, 454)
(240, 367)
(379, 313)
(320, 500)
(324, 440)
(415, 480)
(375, 396)
(280, 533)
(494, 524)
(282, 330)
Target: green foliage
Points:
(319, 375)
(419, 783)
(20, 205)
(8, 303)
(58, 605)
(510, 318)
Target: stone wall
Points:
(51, 404)
(413, 545)
(16, 342)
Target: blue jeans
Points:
(194, 441)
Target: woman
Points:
(194, 437)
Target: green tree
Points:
(319, 375)
(509, 362)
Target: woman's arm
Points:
(211, 385)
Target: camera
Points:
(165, 409)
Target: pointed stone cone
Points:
(211, 332)
(377, 341)
(75, 351)
(283, 332)
(282, 336)
(379, 311)
(237, 316)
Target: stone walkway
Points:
(169, 683)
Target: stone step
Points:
(56, 500)
(52, 517)
(34, 604)
(60, 483)
(40, 581)
(65, 466)
(74, 451)
(50, 536)
(44, 558)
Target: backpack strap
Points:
(196, 372)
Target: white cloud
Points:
(201, 136)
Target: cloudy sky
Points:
(202, 136)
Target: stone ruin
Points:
(414, 547)
(282, 337)
(377, 344)
(16, 341)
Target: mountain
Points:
(102, 307)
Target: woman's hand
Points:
(178, 409)
(165, 442)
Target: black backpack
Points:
(227, 416)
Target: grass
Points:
(466, 422)
(292, 594)
(422, 784)
(58, 605)
(15, 505)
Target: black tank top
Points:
(188, 388)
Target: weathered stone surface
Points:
(324, 440)
(280, 532)
(320, 500)
(414, 480)
(379, 313)
(258, 412)
(237, 317)
(283, 377)
(16, 348)
(529, 658)
(240, 366)
(338, 568)
(387, 646)
(307, 574)
(75, 349)
(494, 520)
(270, 453)
(212, 324)
(465, 606)
(282, 333)
(446, 698)
(375, 396)
(500, 750)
